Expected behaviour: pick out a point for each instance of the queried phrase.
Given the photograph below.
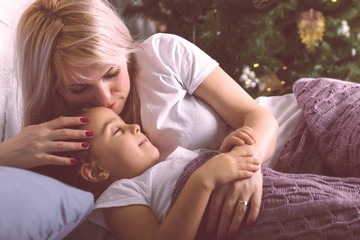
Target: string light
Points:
(268, 89)
(215, 10)
(256, 65)
(282, 82)
(334, 1)
(284, 67)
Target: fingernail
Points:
(250, 224)
(89, 134)
(73, 160)
(85, 145)
(84, 120)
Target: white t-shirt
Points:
(153, 188)
(171, 68)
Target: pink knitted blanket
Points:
(298, 206)
(327, 141)
(306, 206)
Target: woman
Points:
(74, 54)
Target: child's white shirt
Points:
(153, 188)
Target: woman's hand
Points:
(225, 213)
(239, 137)
(34, 145)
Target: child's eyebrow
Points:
(107, 124)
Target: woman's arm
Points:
(238, 109)
(34, 145)
(182, 222)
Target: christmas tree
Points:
(266, 45)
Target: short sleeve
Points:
(186, 62)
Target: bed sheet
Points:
(288, 115)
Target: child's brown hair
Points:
(71, 174)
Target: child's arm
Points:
(182, 222)
(239, 137)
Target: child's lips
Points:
(143, 141)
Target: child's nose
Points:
(135, 128)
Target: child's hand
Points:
(227, 167)
(239, 137)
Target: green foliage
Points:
(237, 34)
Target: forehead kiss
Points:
(93, 86)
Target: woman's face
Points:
(101, 86)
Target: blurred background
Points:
(265, 45)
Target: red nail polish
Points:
(73, 160)
(85, 145)
(89, 134)
(84, 120)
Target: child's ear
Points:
(93, 173)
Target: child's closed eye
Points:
(118, 130)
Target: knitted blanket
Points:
(298, 206)
(306, 206)
(327, 141)
(188, 170)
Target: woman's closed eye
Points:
(78, 88)
(112, 75)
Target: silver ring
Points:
(243, 203)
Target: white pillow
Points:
(10, 95)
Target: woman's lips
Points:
(112, 105)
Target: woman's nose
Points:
(103, 94)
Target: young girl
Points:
(140, 194)
(168, 199)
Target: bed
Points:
(34, 206)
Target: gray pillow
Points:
(34, 206)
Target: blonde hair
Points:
(53, 37)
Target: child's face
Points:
(120, 148)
